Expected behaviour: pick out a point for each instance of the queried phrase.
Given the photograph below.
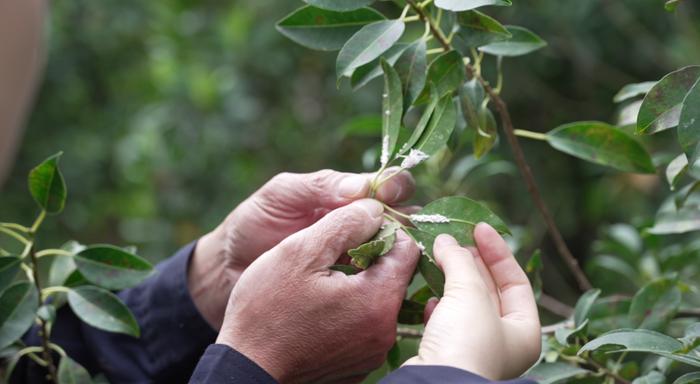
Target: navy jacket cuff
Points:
(222, 364)
(430, 374)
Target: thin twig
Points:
(502, 108)
(555, 306)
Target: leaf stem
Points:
(17, 227)
(397, 213)
(434, 51)
(404, 12)
(38, 221)
(409, 19)
(48, 291)
(53, 252)
(31, 351)
(13, 234)
(530, 134)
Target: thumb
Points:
(344, 228)
(429, 308)
(461, 273)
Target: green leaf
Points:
(422, 123)
(340, 5)
(603, 144)
(550, 373)
(462, 214)
(688, 378)
(563, 335)
(47, 312)
(609, 313)
(465, 5)
(486, 133)
(675, 222)
(103, 310)
(477, 29)
(411, 313)
(662, 105)
(634, 340)
(689, 124)
(653, 377)
(346, 269)
(9, 266)
(325, 30)
(583, 306)
(393, 358)
(534, 268)
(655, 304)
(365, 255)
(521, 42)
(368, 72)
(70, 372)
(676, 169)
(442, 123)
(426, 263)
(112, 267)
(392, 112)
(47, 186)
(18, 305)
(368, 44)
(633, 90)
(445, 73)
(422, 295)
(411, 67)
(362, 126)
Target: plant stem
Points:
(14, 226)
(38, 221)
(434, 51)
(555, 306)
(397, 213)
(48, 291)
(502, 108)
(53, 252)
(530, 134)
(13, 234)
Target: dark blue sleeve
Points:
(173, 333)
(431, 374)
(221, 364)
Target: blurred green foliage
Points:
(172, 112)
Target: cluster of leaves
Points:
(83, 277)
(435, 100)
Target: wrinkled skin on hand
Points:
(301, 321)
(286, 204)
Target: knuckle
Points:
(282, 179)
(319, 179)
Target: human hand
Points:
(286, 204)
(302, 322)
(487, 321)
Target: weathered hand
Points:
(487, 321)
(302, 322)
(286, 204)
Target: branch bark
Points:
(502, 108)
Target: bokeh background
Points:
(171, 112)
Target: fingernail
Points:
(445, 240)
(353, 187)
(390, 192)
(373, 207)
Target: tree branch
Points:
(583, 283)
(555, 306)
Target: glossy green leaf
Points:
(634, 340)
(662, 105)
(630, 91)
(411, 313)
(655, 304)
(426, 263)
(486, 133)
(446, 73)
(465, 5)
(564, 335)
(676, 169)
(365, 255)
(609, 313)
(339, 5)
(441, 125)
(477, 29)
(681, 221)
(521, 42)
(323, 29)
(368, 44)
(462, 214)
(671, 5)
(47, 312)
(422, 123)
(103, 310)
(392, 112)
(70, 372)
(370, 71)
(583, 306)
(653, 377)
(412, 70)
(47, 186)
(602, 144)
(689, 124)
(9, 266)
(688, 378)
(112, 267)
(550, 373)
(18, 305)
(346, 269)
(422, 295)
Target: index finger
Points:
(517, 298)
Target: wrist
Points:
(264, 358)
(210, 279)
